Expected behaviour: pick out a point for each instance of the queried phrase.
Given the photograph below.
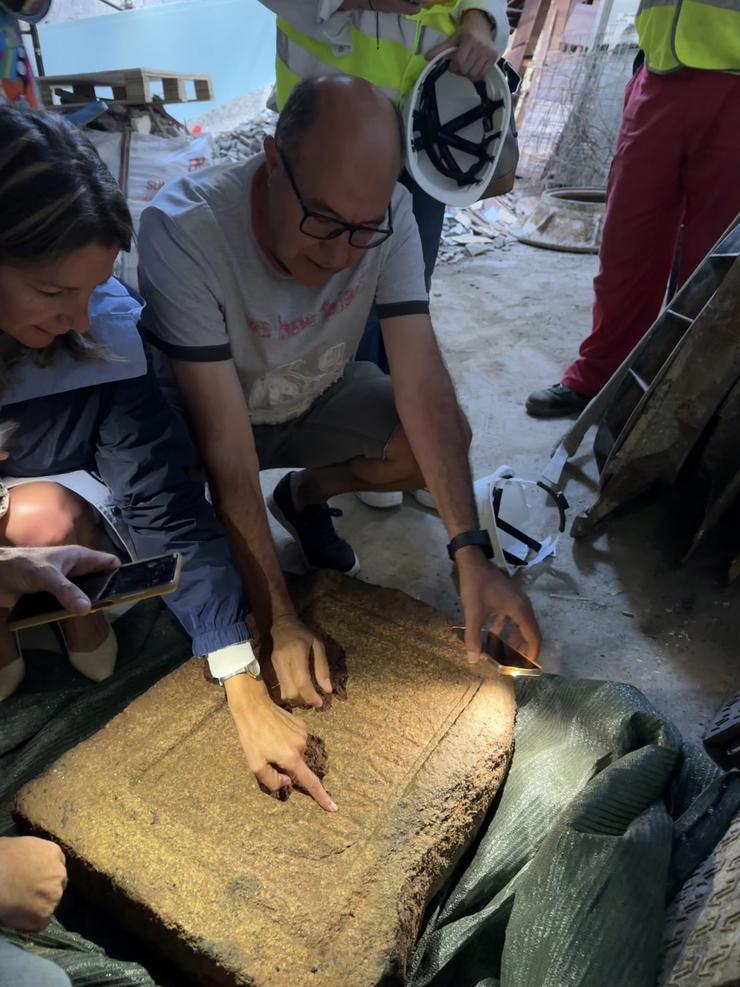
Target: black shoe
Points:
(314, 531)
(557, 401)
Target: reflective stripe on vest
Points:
(392, 63)
(698, 34)
(294, 63)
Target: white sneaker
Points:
(423, 497)
(392, 498)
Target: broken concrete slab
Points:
(163, 824)
(567, 219)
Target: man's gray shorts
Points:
(355, 417)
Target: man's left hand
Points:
(475, 53)
(490, 599)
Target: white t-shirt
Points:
(214, 294)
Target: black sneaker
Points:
(557, 401)
(314, 531)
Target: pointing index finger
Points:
(305, 777)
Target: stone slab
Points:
(164, 826)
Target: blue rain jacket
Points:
(110, 418)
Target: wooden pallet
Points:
(130, 86)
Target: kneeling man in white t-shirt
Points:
(259, 278)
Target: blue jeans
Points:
(19, 968)
(429, 214)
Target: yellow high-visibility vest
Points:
(696, 34)
(386, 50)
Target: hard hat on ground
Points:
(523, 518)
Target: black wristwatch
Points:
(479, 538)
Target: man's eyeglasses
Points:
(322, 227)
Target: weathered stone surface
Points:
(162, 822)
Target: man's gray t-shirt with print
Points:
(213, 293)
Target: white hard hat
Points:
(523, 518)
(455, 130)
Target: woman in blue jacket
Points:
(82, 421)
(92, 428)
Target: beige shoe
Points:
(11, 676)
(97, 664)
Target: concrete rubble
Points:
(485, 226)
(245, 140)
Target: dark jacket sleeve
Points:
(143, 456)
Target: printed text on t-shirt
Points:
(286, 329)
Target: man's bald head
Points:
(331, 169)
(348, 118)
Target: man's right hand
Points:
(32, 880)
(292, 646)
(273, 740)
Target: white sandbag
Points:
(142, 164)
(154, 161)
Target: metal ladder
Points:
(622, 401)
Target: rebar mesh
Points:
(572, 112)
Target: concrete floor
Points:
(613, 607)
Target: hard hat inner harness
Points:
(560, 502)
(439, 139)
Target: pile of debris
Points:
(485, 226)
(147, 118)
(246, 140)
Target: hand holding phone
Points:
(506, 659)
(127, 584)
(50, 570)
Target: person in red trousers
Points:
(677, 164)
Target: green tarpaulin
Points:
(604, 814)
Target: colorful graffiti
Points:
(17, 83)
